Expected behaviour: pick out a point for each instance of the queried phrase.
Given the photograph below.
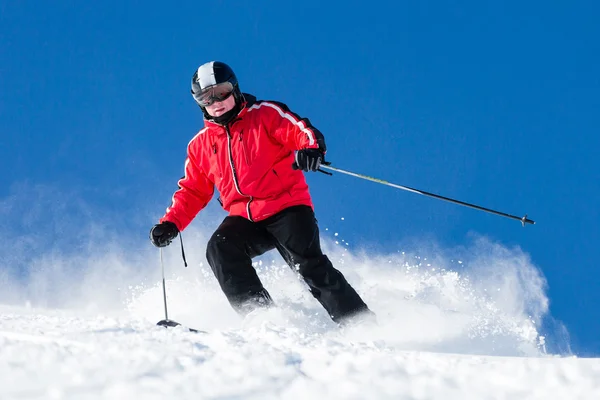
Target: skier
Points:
(254, 153)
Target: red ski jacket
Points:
(249, 161)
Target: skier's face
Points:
(217, 109)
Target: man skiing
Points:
(254, 153)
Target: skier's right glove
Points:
(162, 234)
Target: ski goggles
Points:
(215, 93)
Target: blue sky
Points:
(494, 103)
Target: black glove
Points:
(162, 234)
(308, 160)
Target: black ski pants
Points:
(295, 234)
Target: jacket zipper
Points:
(244, 148)
(234, 174)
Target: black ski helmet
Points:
(210, 74)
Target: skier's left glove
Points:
(162, 234)
(308, 160)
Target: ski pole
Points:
(524, 220)
(164, 287)
(162, 270)
(167, 322)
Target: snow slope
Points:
(82, 326)
(55, 355)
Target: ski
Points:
(170, 323)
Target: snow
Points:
(84, 327)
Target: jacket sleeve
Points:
(290, 129)
(195, 191)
